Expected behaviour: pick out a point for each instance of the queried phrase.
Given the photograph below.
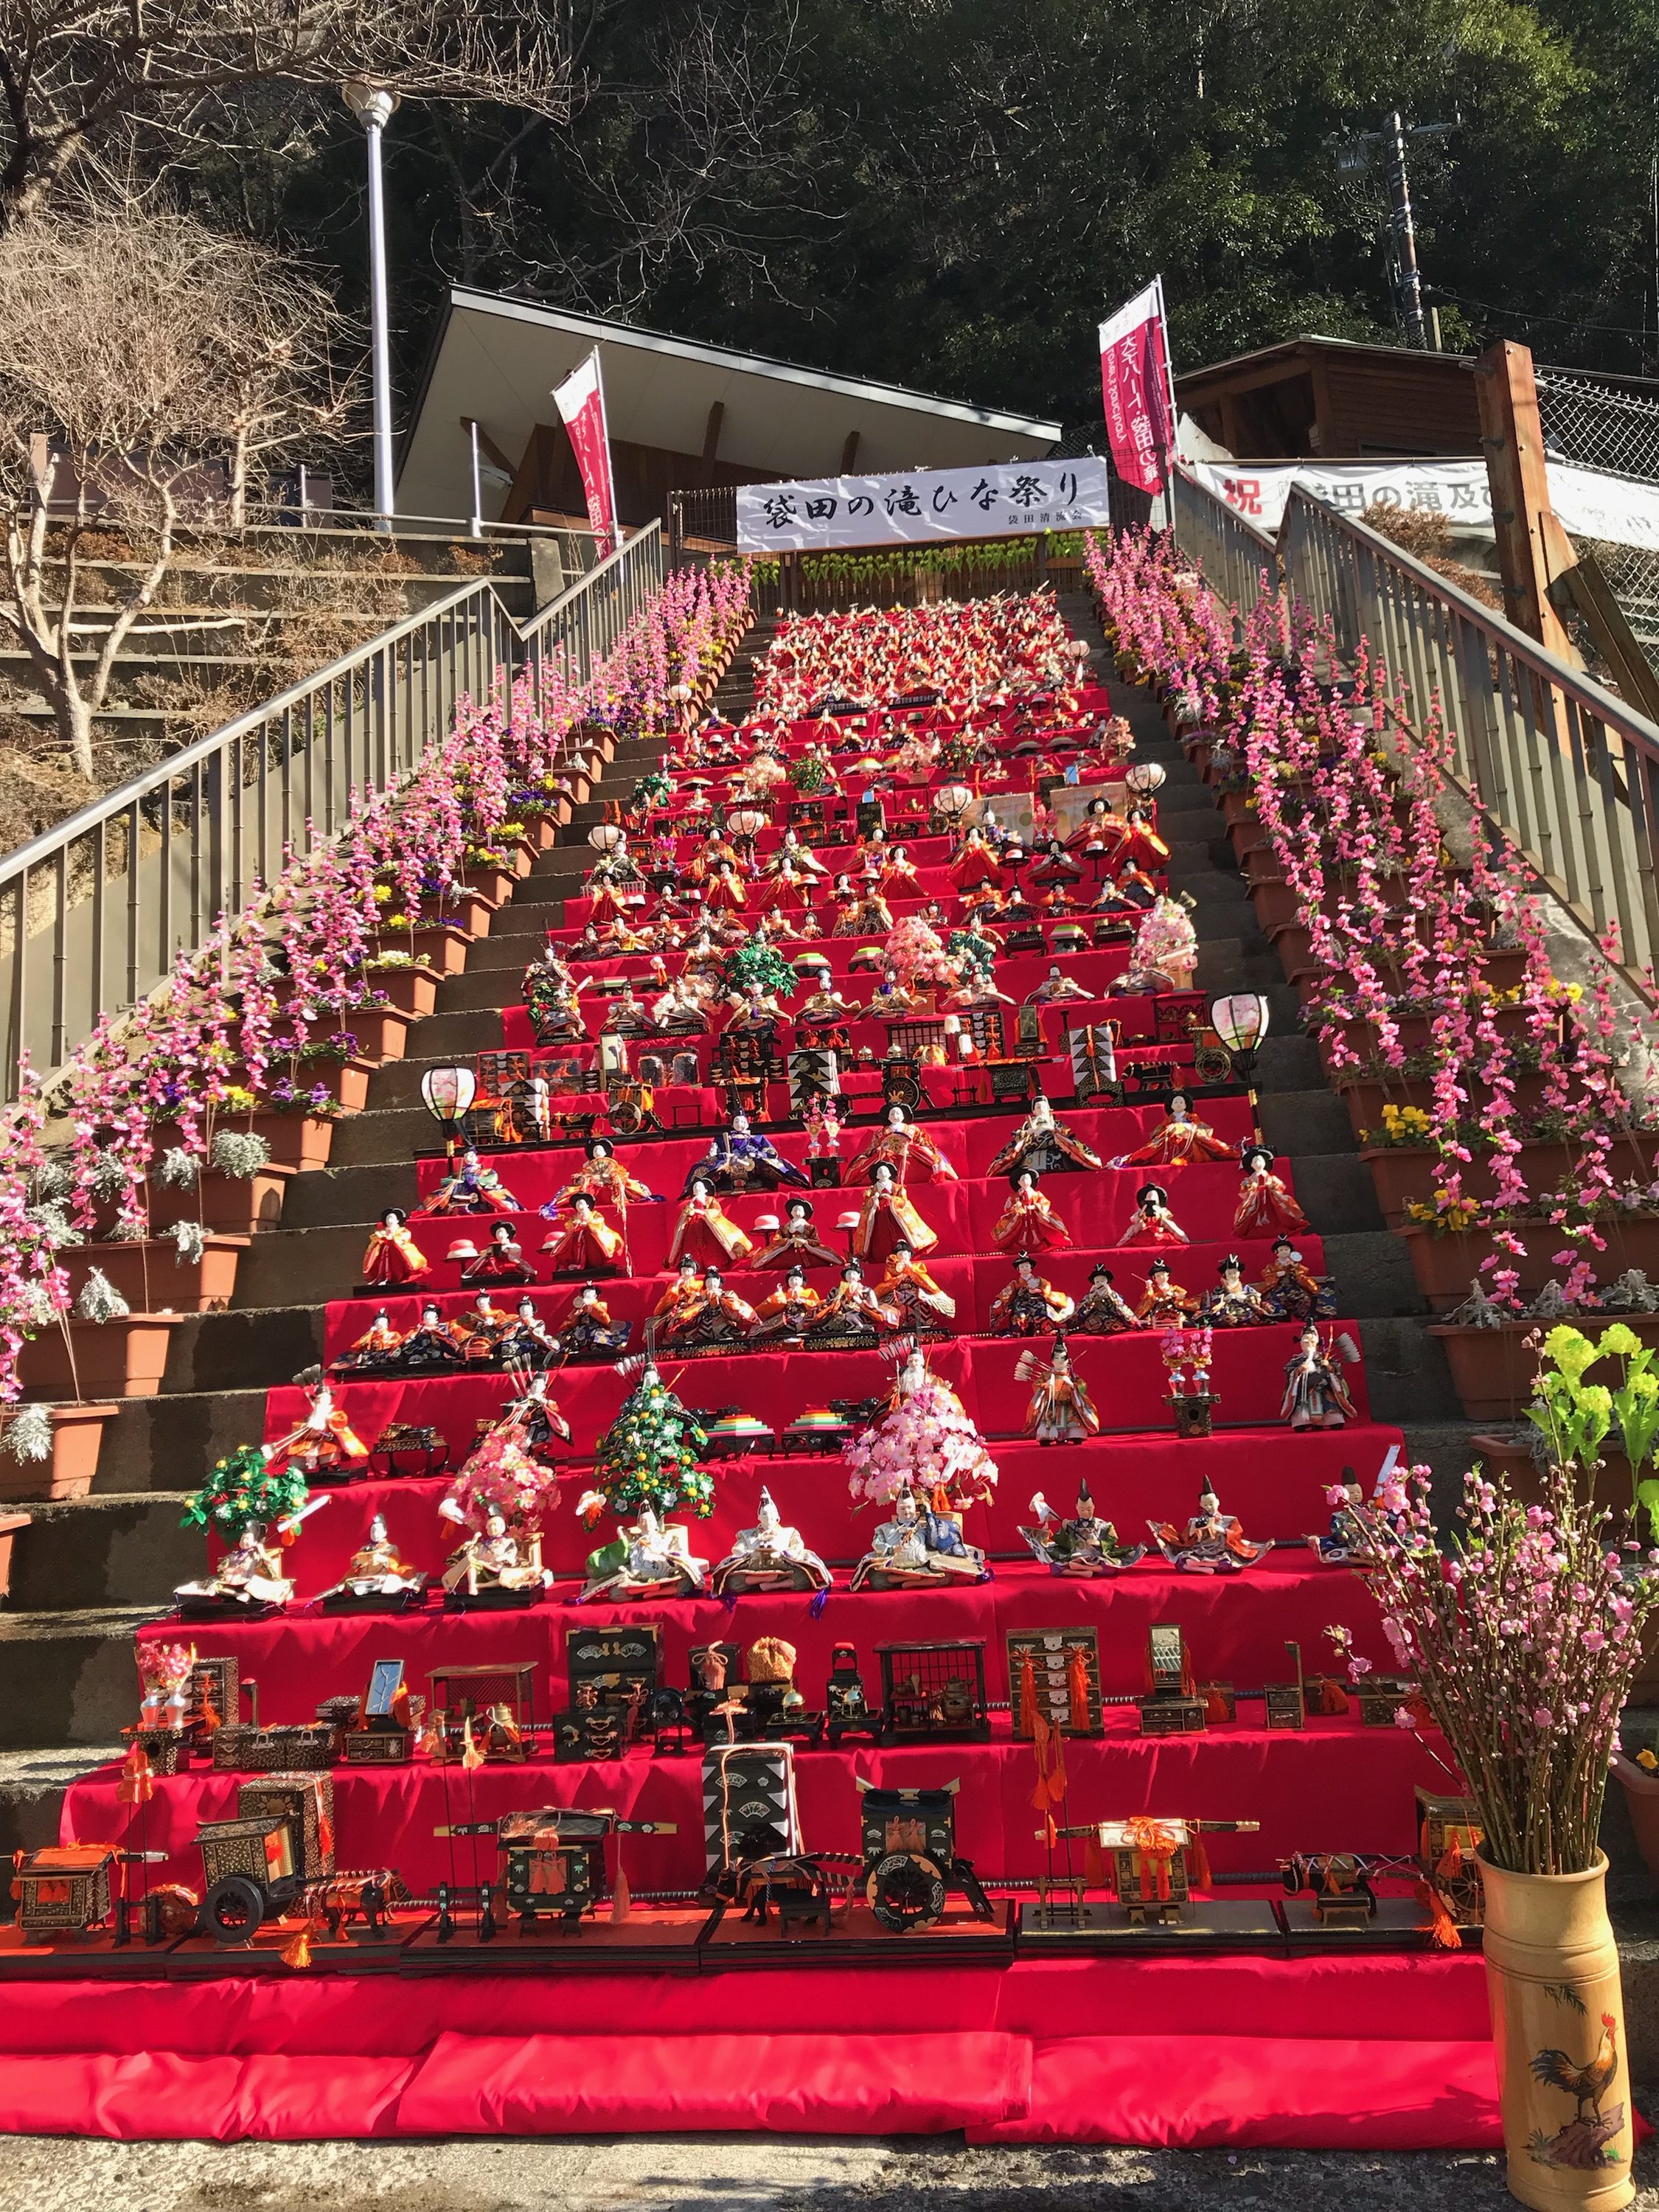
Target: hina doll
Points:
(1028, 1223)
(393, 1255)
(430, 1347)
(705, 1231)
(1163, 1303)
(1060, 1411)
(905, 1285)
(680, 1302)
(738, 1159)
(975, 862)
(805, 862)
(866, 914)
(479, 1333)
(714, 1319)
(787, 890)
(583, 1244)
(1044, 1144)
(899, 878)
(1265, 1208)
(1102, 1310)
(824, 1017)
(783, 1318)
(555, 1016)
(680, 1011)
(1177, 1141)
(250, 1573)
(890, 997)
(625, 1017)
(853, 1316)
(374, 1353)
(1233, 1304)
(1030, 1305)
(492, 1558)
(647, 1560)
(887, 1216)
(770, 1556)
(918, 1549)
(1140, 846)
(1100, 830)
(603, 1178)
(501, 1261)
(904, 1147)
(527, 1341)
(377, 1570)
(588, 1331)
(1211, 1543)
(1056, 869)
(323, 1443)
(1292, 1290)
(794, 1241)
(472, 1188)
(1152, 1222)
(1085, 1547)
(1346, 1540)
(1056, 989)
(1316, 1395)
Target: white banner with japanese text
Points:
(998, 501)
(1458, 489)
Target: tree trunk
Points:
(74, 728)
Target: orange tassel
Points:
(1093, 1863)
(471, 1754)
(1041, 1734)
(1215, 1705)
(1451, 1859)
(297, 1951)
(1028, 1704)
(324, 1833)
(138, 1783)
(1442, 1929)
(1077, 1683)
(622, 1898)
(1198, 1864)
(1333, 1698)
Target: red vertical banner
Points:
(1134, 380)
(580, 402)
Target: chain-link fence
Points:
(1594, 424)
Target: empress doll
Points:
(1028, 1223)
(1266, 1208)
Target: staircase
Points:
(86, 1573)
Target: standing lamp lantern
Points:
(447, 1094)
(1240, 1020)
(1143, 778)
(607, 837)
(952, 800)
(374, 105)
(746, 824)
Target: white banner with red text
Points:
(1001, 500)
(580, 402)
(1134, 387)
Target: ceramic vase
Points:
(1558, 2020)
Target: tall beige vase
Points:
(1557, 2024)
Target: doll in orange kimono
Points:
(393, 1255)
(888, 1218)
(583, 1244)
(903, 1145)
(323, 1441)
(1152, 1222)
(603, 1177)
(1028, 1223)
(705, 1232)
(1177, 1141)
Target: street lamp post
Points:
(1353, 154)
(374, 105)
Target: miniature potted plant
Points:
(1523, 1636)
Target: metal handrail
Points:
(94, 912)
(1567, 771)
(1239, 560)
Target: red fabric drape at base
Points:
(1378, 2052)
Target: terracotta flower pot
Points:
(1557, 2024)
(231, 1205)
(1642, 1798)
(112, 1358)
(1415, 1032)
(77, 1435)
(1366, 1095)
(1515, 1461)
(542, 830)
(1444, 1265)
(471, 910)
(9, 1525)
(300, 1141)
(445, 948)
(150, 1273)
(412, 991)
(1401, 1173)
(493, 885)
(1492, 1369)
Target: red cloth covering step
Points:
(1234, 1628)
(1290, 1783)
(1359, 2053)
(1275, 1482)
(973, 1280)
(970, 1145)
(579, 907)
(1125, 1375)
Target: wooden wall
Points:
(1326, 403)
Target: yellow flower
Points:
(1647, 1759)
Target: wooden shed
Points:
(1331, 399)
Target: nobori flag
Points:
(580, 402)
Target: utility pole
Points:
(1404, 276)
(374, 105)
(1408, 280)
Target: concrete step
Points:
(104, 1550)
(69, 1675)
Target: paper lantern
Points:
(447, 1094)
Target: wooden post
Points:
(1531, 544)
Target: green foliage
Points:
(649, 1455)
(760, 963)
(1576, 1416)
(242, 1491)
